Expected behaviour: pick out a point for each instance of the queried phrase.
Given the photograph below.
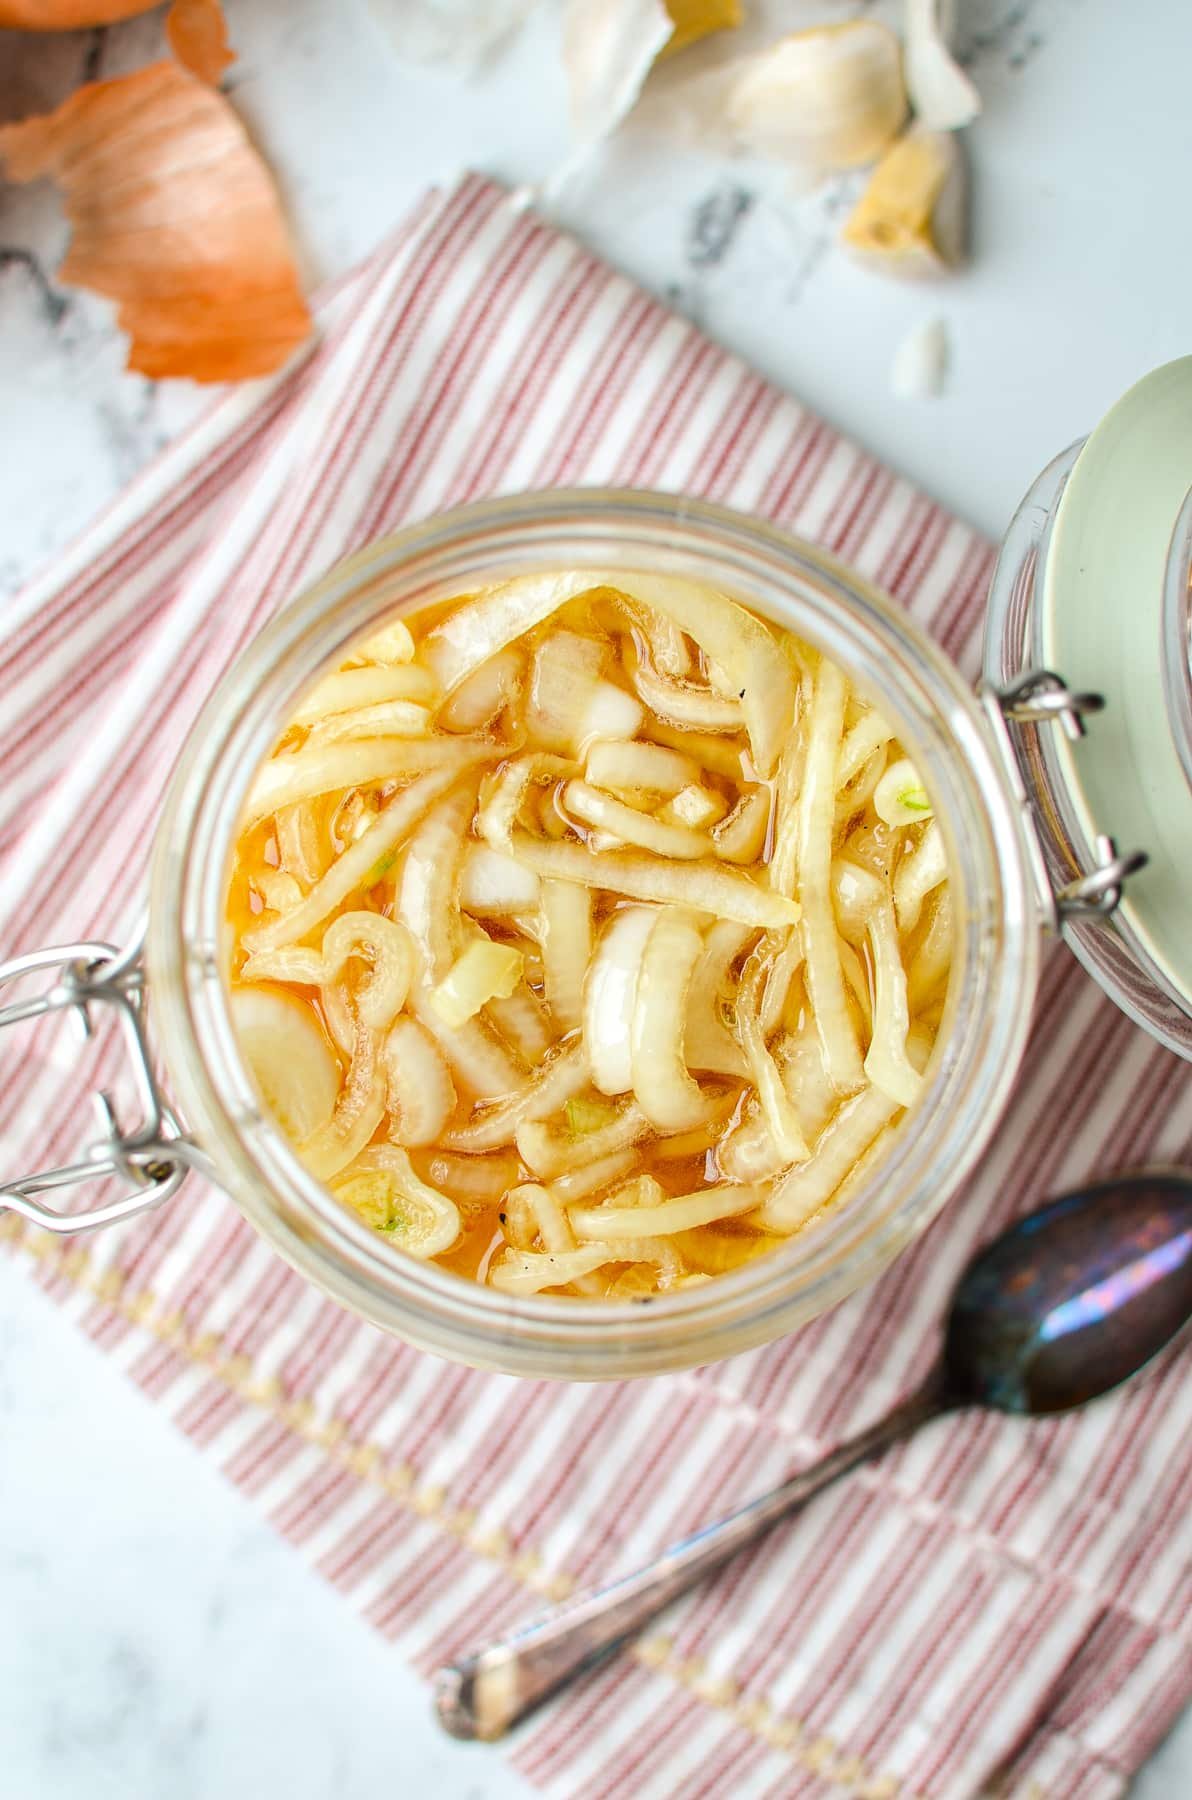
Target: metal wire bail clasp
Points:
(152, 1157)
(1039, 698)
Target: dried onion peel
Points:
(173, 217)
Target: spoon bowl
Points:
(1074, 1299)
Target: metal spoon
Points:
(1063, 1306)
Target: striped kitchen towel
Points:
(995, 1608)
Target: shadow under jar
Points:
(958, 741)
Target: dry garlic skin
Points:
(590, 935)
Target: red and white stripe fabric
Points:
(996, 1607)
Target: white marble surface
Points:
(155, 1639)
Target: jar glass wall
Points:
(990, 996)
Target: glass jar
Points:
(957, 738)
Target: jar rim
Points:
(981, 1039)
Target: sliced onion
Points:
(493, 883)
(421, 1092)
(350, 689)
(610, 996)
(741, 837)
(869, 734)
(299, 844)
(808, 1187)
(666, 1092)
(475, 1180)
(482, 971)
(278, 889)
(780, 1115)
(592, 807)
(482, 696)
(684, 704)
(859, 791)
(360, 865)
(391, 644)
(667, 642)
(780, 979)
(816, 819)
(558, 1079)
(477, 628)
(712, 753)
(522, 1018)
(748, 1152)
(553, 1230)
(858, 981)
(918, 875)
(708, 1044)
(566, 941)
(703, 886)
(590, 1177)
(695, 806)
(389, 718)
(358, 1111)
(863, 904)
(382, 1186)
(326, 768)
(932, 959)
(800, 1056)
(505, 794)
(613, 1224)
(530, 1272)
(752, 662)
(482, 1063)
(427, 896)
(551, 1153)
(900, 797)
(386, 947)
(290, 1059)
(570, 702)
(291, 962)
(631, 767)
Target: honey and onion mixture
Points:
(588, 936)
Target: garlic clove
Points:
(609, 47)
(696, 19)
(821, 100)
(943, 97)
(912, 218)
(919, 370)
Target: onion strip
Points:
(558, 1080)
(349, 689)
(781, 1118)
(816, 815)
(325, 769)
(807, 1188)
(424, 1221)
(592, 807)
(551, 1153)
(628, 766)
(666, 1093)
(421, 1092)
(353, 869)
(918, 875)
(703, 886)
(613, 1224)
(522, 1272)
(566, 941)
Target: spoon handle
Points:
(484, 1695)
